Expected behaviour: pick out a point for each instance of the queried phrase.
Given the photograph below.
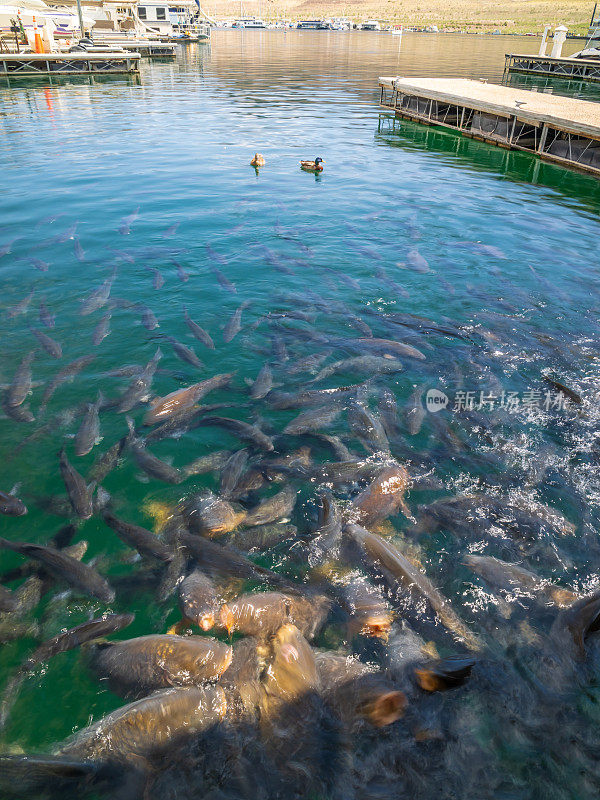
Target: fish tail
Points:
(6, 544)
(9, 696)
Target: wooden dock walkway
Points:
(145, 47)
(559, 129)
(151, 49)
(582, 69)
(26, 65)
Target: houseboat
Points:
(250, 23)
(181, 21)
(314, 25)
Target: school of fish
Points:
(343, 614)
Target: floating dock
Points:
(559, 129)
(151, 49)
(581, 69)
(145, 47)
(26, 65)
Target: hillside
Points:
(518, 16)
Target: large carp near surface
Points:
(299, 470)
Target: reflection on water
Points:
(461, 151)
(583, 89)
(141, 255)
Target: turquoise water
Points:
(510, 259)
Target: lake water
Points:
(484, 260)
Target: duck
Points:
(258, 160)
(313, 166)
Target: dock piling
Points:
(544, 41)
(560, 36)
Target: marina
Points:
(559, 129)
(152, 30)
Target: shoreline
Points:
(517, 17)
(530, 34)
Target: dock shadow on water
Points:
(300, 485)
(479, 156)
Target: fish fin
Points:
(407, 512)
(101, 642)
(102, 496)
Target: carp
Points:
(234, 325)
(21, 384)
(398, 570)
(368, 429)
(160, 660)
(62, 376)
(263, 383)
(162, 408)
(370, 614)
(148, 462)
(510, 577)
(445, 673)
(198, 600)
(292, 670)
(142, 540)
(73, 572)
(209, 515)
(89, 431)
(262, 537)
(198, 332)
(382, 498)
(263, 613)
(138, 389)
(11, 505)
(273, 508)
(77, 490)
(243, 430)
(232, 472)
(355, 690)
(146, 727)
(51, 346)
(312, 420)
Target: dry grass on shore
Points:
(507, 16)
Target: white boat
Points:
(187, 23)
(341, 24)
(397, 31)
(61, 22)
(250, 23)
(186, 20)
(314, 25)
(371, 25)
